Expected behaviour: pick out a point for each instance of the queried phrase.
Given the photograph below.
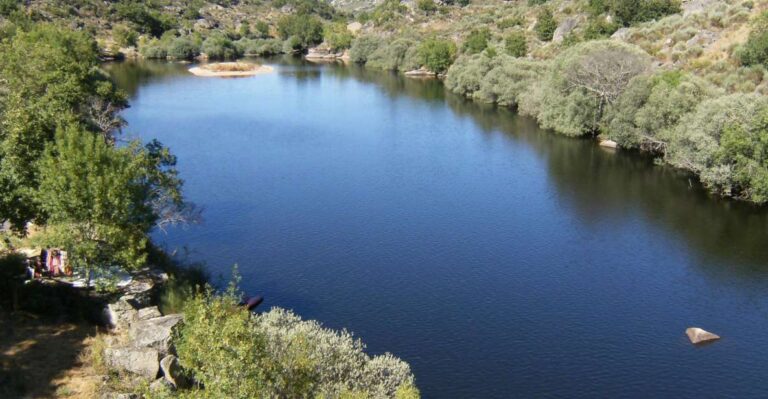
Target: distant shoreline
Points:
(230, 69)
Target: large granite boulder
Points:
(144, 362)
(155, 333)
(148, 313)
(121, 314)
(698, 335)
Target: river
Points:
(498, 259)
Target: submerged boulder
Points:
(698, 335)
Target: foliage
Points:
(261, 47)
(477, 41)
(724, 142)
(388, 10)
(584, 81)
(50, 77)
(101, 201)
(651, 106)
(428, 6)
(306, 29)
(503, 80)
(183, 49)
(338, 36)
(755, 50)
(145, 18)
(363, 47)
(515, 44)
(124, 35)
(437, 54)
(220, 47)
(398, 55)
(629, 12)
(545, 24)
(276, 354)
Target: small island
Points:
(230, 69)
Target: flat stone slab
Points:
(698, 335)
(141, 361)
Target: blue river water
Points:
(498, 259)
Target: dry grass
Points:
(231, 67)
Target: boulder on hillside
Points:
(696, 6)
(121, 314)
(564, 29)
(144, 362)
(621, 34)
(149, 313)
(172, 372)
(154, 333)
(354, 27)
(698, 335)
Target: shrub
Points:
(338, 36)
(628, 12)
(262, 47)
(501, 79)
(307, 30)
(428, 6)
(219, 47)
(437, 54)
(724, 142)
(276, 354)
(755, 50)
(652, 105)
(154, 51)
(515, 44)
(363, 47)
(124, 36)
(183, 49)
(545, 25)
(477, 41)
(401, 54)
(599, 28)
(585, 80)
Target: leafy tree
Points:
(218, 46)
(477, 41)
(101, 201)
(263, 29)
(545, 24)
(515, 44)
(628, 12)
(183, 49)
(124, 35)
(437, 54)
(338, 36)
(51, 78)
(307, 29)
(755, 50)
(363, 47)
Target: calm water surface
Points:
(497, 259)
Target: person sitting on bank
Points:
(54, 262)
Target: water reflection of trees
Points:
(597, 183)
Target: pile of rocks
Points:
(142, 339)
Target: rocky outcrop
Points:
(699, 336)
(148, 313)
(172, 372)
(564, 29)
(420, 73)
(621, 34)
(141, 361)
(323, 52)
(121, 314)
(354, 27)
(154, 333)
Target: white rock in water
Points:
(609, 144)
(697, 335)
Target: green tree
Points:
(102, 201)
(307, 29)
(51, 77)
(515, 44)
(437, 54)
(338, 36)
(428, 6)
(477, 41)
(545, 24)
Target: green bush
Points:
(503, 80)
(363, 47)
(545, 24)
(437, 54)
(236, 354)
(183, 49)
(124, 36)
(724, 142)
(477, 41)
(219, 47)
(338, 36)
(628, 12)
(428, 6)
(585, 80)
(261, 47)
(154, 51)
(307, 30)
(398, 55)
(515, 44)
(651, 106)
(755, 50)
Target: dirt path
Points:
(44, 359)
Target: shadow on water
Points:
(594, 182)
